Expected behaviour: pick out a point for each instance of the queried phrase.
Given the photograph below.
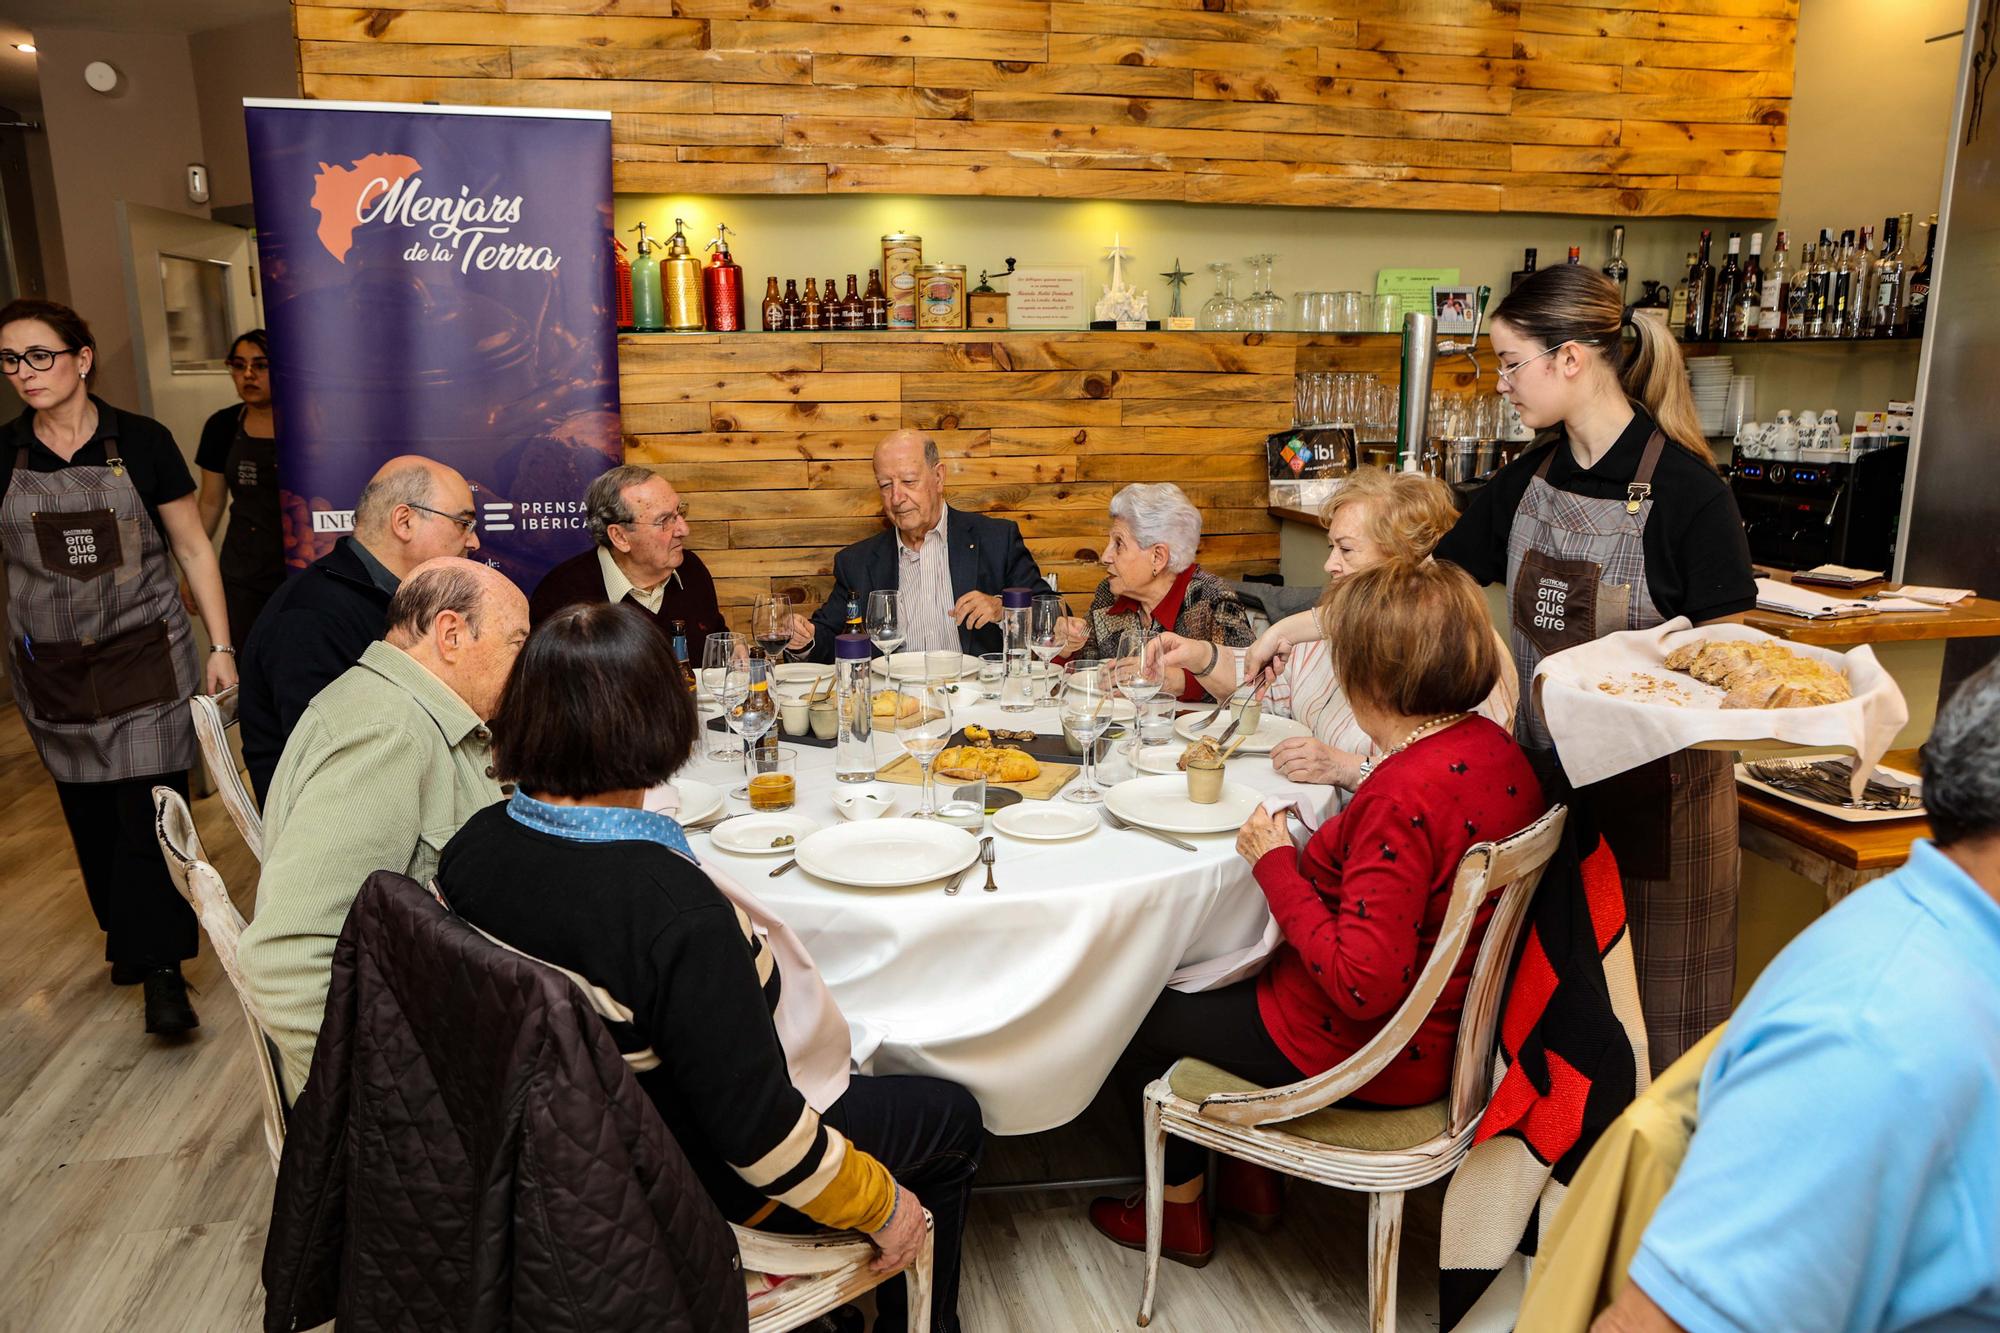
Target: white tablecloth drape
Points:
(1026, 996)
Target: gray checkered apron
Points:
(59, 610)
(1576, 569)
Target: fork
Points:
(986, 859)
(1168, 838)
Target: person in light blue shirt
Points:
(1845, 1169)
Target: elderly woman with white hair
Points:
(1150, 572)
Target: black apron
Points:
(253, 550)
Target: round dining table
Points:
(1025, 995)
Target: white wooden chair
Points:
(199, 883)
(1298, 1129)
(213, 718)
(824, 1273)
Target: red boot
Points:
(1251, 1194)
(1187, 1234)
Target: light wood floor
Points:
(134, 1188)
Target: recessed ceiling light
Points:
(26, 47)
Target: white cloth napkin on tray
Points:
(1599, 734)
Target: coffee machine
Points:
(1803, 513)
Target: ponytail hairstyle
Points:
(1573, 304)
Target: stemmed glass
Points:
(753, 712)
(885, 622)
(1140, 674)
(713, 685)
(1264, 309)
(1222, 310)
(1045, 632)
(923, 725)
(770, 623)
(1088, 700)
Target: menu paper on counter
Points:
(1412, 286)
(1042, 296)
(438, 281)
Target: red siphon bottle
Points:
(722, 286)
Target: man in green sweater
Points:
(381, 770)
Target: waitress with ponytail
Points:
(1618, 514)
(92, 501)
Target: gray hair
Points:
(1962, 761)
(429, 593)
(413, 484)
(1160, 514)
(604, 503)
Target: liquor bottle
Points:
(1861, 287)
(1920, 283)
(1888, 282)
(1728, 284)
(876, 300)
(1701, 295)
(1576, 254)
(1677, 310)
(793, 309)
(680, 641)
(774, 306)
(829, 305)
(1771, 300)
(1817, 287)
(1526, 271)
(1798, 294)
(809, 307)
(1749, 292)
(853, 314)
(1840, 287)
(1615, 268)
(853, 617)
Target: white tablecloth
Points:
(1026, 995)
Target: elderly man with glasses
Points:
(316, 626)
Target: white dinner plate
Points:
(1160, 758)
(697, 800)
(801, 673)
(1162, 803)
(753, 834)
(1270, 730)
(887, 853)
(909, 666)
(1046, 821)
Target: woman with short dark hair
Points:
(572, 870)
(238, 460)
(1362, 905)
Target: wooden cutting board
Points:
(904, 771)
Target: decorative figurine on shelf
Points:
(1122, 307)
(1177, 279)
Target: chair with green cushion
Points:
(1300, 1130)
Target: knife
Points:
(783, 868)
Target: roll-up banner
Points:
(438, 281)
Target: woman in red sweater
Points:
(1362, 905)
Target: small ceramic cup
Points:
(1205, 782)
(825, 719)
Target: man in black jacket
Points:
(317, 624)
(949, 564)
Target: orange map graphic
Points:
(340, 192)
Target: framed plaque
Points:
(1046, 296)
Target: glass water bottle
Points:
(854, 743)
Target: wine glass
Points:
(770, 623)
(748, 680)
(1087, 703)
(885, 622)
(1264, 309)
(923, 725)
(1140, 674)
(1045, 615)
(1222, 311)
(713, 695)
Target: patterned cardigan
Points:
(1208, 611)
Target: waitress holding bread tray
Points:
(100, 651)
(1618, 520)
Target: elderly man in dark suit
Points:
(949, 564)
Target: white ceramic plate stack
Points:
(1708, 376)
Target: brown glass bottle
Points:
(853, 314)
(774, 307)
(829, 305)
(792, 306)
(809, 308)
(876, 301)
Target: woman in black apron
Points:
(1618, 520)
(99, 648)
(238, 459)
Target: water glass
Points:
(1156, 722)
(772, 776)
(1346, 312)
(963, 803)
(1388, 313)
(992, 671)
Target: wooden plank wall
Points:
(1617, 107)
(769, 437)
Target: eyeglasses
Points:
(238, 365)
(466, 522)
(1508, 373)
(663, 522)
(38, 358)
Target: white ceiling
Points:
(19, 88)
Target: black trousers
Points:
(930, 1135)
(1222, 1027)
(143, 916)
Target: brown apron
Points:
(1576, 570)
(100, 649)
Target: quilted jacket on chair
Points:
(471, 1153)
